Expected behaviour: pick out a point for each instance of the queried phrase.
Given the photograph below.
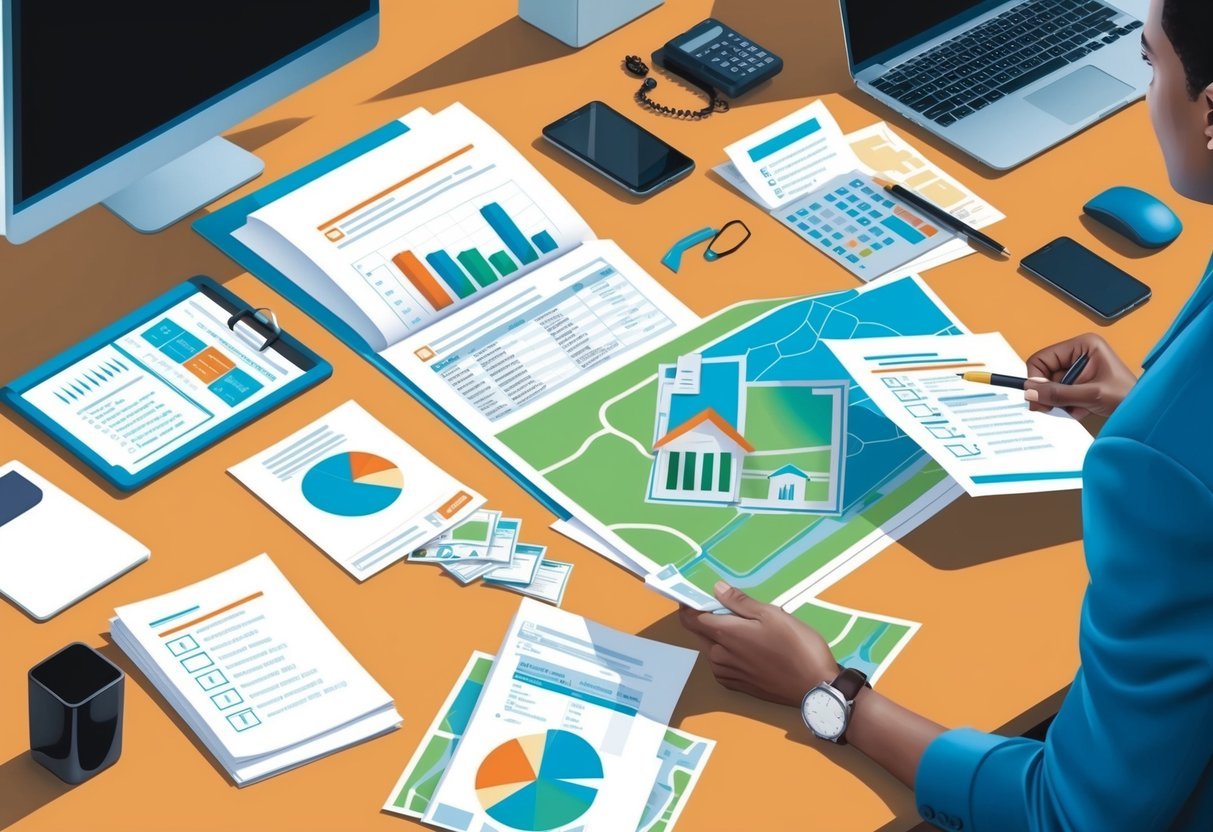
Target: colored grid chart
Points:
(539, 782)
(451, 257)
(353, 484)
(856, 223)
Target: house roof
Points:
(788, 469)
(709, 416)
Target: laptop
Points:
(1002, 81)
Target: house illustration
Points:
(701, 460)
(787, 484)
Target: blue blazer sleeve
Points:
(1133, 738)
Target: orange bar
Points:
(386, 191)
(219, 611)
(209, 365)
(420, 277)
(928, 367)
(454, 504)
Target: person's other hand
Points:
(1100, 387)
(761, 649)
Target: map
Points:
(595, 448)
(683, 757)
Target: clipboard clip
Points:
(259, 326)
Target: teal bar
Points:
(784, 139)
(451, 274)
(994, 479)
(509, 233)
(903, 229)
(544, 242)
(503, 264)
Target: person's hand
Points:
(761, 649)
(1099, 388)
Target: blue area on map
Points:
(785, 345)
(720, 385)
(460, 714)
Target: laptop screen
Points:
(880, 29)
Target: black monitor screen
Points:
(876, 26)
(92, 76)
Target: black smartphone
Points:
(1087, 279)
(618, 148)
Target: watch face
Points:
(825, 713)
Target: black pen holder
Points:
(75, 713)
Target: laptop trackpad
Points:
(1080, 95)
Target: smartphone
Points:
(1087, 279)
(619, 149)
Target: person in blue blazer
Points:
(1132, 746)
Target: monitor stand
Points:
(184, 185)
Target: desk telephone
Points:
(713, 57)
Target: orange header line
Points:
(219, 611)
(387, 191)
(927, 367)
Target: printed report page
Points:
(423, 225)
(567, 729)
(151, 391)
(541, 339)
(250, 662)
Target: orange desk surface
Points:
(999, 608)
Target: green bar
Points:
(726, 472)
(671, 475)
(480, 269)
(705, 482)
(688, 472)
(502, 262)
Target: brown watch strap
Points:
(849, 683)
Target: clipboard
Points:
(218, 229)
(256, 327)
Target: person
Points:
(1132, 746)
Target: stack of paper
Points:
(253, 672)
(357, 490)
(789, 160)
(486, 547)
(568, 729)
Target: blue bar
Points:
(993, 479)
(973, 396)
(784, 139)
(545, 242)
(451, 274)
(935, 422)
(514, 239)
(903, 355)
(922, 361)
(169, 618)
(545, 684)
(903, 229)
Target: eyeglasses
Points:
(723, 241)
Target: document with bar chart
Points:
(985, 437)
(434, 220)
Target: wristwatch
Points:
(826, 709)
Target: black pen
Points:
(943, 217)
(1075, 370)
(1018, 383)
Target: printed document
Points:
(567, 730)
(357, 490)
(253, 672)
(985, 437)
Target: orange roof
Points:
(695, 421)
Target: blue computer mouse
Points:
(1136, 215)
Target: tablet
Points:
(165, 382)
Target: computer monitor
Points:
(122, 101)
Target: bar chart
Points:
(451, 257)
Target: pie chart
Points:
(539, 782)
(353, 484)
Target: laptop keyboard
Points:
(1007, 53)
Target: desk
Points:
(1002, 610)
